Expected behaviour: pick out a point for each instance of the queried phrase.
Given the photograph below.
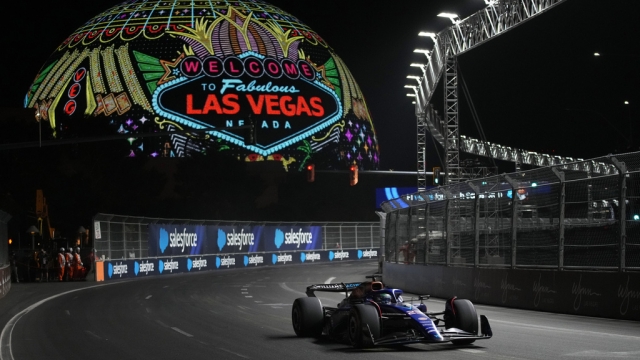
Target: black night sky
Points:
(538, 87)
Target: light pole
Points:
(628, 106)
(81, 230)
(33, 231)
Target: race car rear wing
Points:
(343, 287)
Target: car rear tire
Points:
(466, 319)
(364, 324)
(307, 317)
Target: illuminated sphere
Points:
(181, 78)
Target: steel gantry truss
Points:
(497, 18)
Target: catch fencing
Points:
(117, 237)
(5, 268)
(584, 215)
(4, 238)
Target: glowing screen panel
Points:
(210, 67)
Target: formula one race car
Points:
(372, 314)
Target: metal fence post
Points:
(622, 169)
(514, 219)
(476, 225)
(395, 236)
(110, 232)
(139, 241)
(356, 230)
(371, 235)
(409, 230)
(324, 233)
(447, 224)
(427, 237)
(560, 176)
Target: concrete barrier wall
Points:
(5, 281)
(128, 269)
(604, 294)
(5, 269)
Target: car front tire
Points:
(364, 324)
(466, 319)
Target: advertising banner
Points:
(287, 238)
(180, 240)
(128, 269)
(235, 239)
(176, 240)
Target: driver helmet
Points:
(61, 249)
(382, 298)
(78, 250)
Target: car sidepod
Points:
(429, 329)
(405, 324)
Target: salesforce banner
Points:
(180, 240)
(286, 238)
(235, 239)
(127, 269)
(176, 240)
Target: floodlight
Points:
(413, 77)
(423, 51)
(626, 102)
(418, 65)
(410, 87)
(451, 16)
(411, 95)
(428, 34)
(596, 54)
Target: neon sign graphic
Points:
(286, 101)
(210, 69)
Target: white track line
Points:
(234, 353)
(181, 332)
(92, 334)
(6, 352)
(566, 330)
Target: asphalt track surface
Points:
(246, 314)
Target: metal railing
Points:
(118, 237)
(4, 238)
(569, 216)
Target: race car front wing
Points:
(451, 334)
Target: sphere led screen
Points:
(197, 73)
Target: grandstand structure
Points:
(496, 19)
(482, 210)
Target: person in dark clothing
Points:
(43, 264)
(14, 267)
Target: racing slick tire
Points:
(364, 324)
(465, 319)
(307, 317)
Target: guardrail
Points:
(137, 247)
(558, 217)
